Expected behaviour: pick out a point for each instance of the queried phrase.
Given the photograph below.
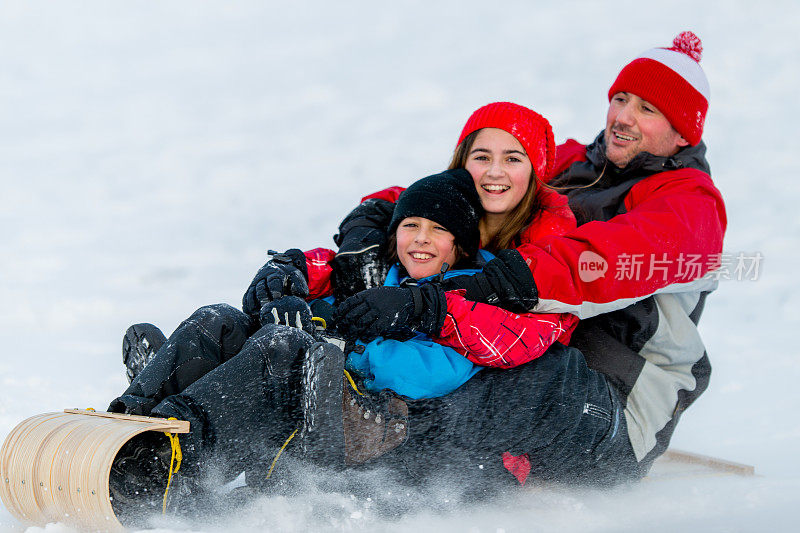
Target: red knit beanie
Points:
(531, 129)
(672, 80)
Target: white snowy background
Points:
(151, 152)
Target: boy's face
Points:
(423, 246)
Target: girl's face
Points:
(423, 246)
(501, 170)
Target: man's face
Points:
(634, 125)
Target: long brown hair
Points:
(520, 217)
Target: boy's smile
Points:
(423, 246)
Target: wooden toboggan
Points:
(55, 467)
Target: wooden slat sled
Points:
(54, 467)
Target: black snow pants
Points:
(563, 416)
(237, 385)
(240, 394)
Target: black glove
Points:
(324, 310)
(506, 281)
(361, 262)
(392, 312)
(288, 311)
(284, 274)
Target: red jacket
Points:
(672, 231)
(484, 334)
(491, 336)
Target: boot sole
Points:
(139, 345)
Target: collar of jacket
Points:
(398, 277)
(645, 163)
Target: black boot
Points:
(343, 426)
(139, 346)
(241, 412)
(212, 335)
(322, 437)
(138, 478)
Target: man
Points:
(651, 225)
(645, 179)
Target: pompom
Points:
(688, 43)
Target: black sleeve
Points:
(360, 262)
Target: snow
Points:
(152, 152)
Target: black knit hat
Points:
(449, 199)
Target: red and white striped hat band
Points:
(672, 80)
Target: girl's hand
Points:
(381, 310)
(506, 282)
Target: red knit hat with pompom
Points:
(531, 129)
(672, 80)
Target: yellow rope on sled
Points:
(174, 462)
(277, 455)
(352, 383)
